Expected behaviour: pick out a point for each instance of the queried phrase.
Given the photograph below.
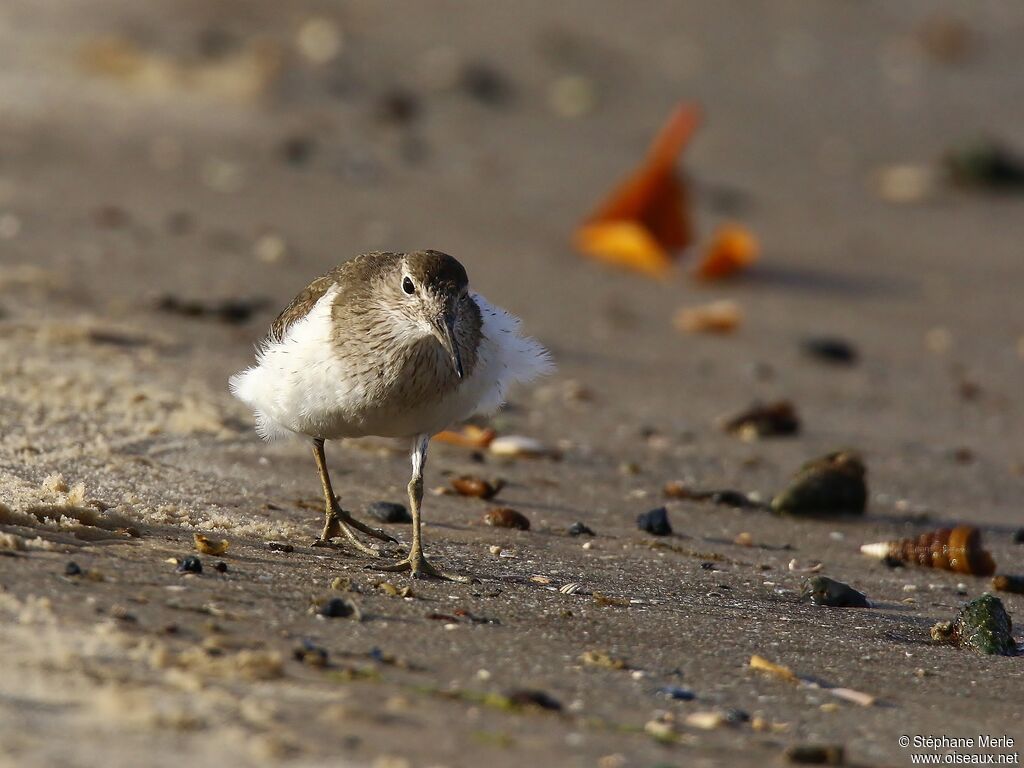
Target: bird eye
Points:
(407, 285)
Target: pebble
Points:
(72, 569)
(506, 517)
(524, 697)
(310, 654)
(518, 446)
(579, 529)
(655, 522)
(485, 84)
(830, 349)
(389, 512)
(676, 693)
(1018, 536)
(338, 607)
(816, 754)
(319, 40)
(190, 564)
(279, 546)
(821, 590)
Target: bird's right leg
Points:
(337, 520)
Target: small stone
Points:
(337, 608)
(399, 107)
(279, 546)
(190, 564)
(485, 84)
(655, 522)
(1018, 536)
(743, 539)
(735, 499)
(389, 512)
(579, 529)
(831, 485)
(821, 590)
(72, 569)
(524, 697)
(572, 96)
(319, 40)
(269, 248)
(220, 566)
(297, 150)
(816, 754)
(676, 693)
(830, 349)
(494, 549)
(505, 517)
(982, 625)
(764, 420)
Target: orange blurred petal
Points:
(653, 198)
(624, 244)
(732, 249)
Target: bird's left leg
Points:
(416, 562)
(337, 520)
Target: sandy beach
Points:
(172, 173)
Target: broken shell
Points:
(795, 567)
(601, 659)
(467, 485)
(982, 625)
(762, 664)
(571, 588)
(732, 249)
(764, 420)
(518, 446)
(655, 522)
(821, 590)
(208, 546)
(831, 485)
(951, 549)
(469, 436)
(505, 517)
(721, 316)
(1004, 583)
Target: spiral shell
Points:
(951, 549)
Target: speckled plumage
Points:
(349, 357)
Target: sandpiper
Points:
(390, 345)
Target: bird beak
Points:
(444, 330)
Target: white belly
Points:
(298, 385)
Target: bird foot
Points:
(341, 523)
(421, 568)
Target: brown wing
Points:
(303, 303)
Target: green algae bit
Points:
(831, 485)
(983, 624)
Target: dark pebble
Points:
(655, 522)
(279, 546)
(220, 566)
(816, 754)
(821, 590)
(72, 569)
(297, 150)
(524, 697)
(337, 608)
(506, 517)
(486, 84)
(190, 564)
(735, 716)
(579, 529)
(399, 106)
(778, 419)
(830, 349)
(708, 566)
(1018, 536)
(677, 693)
(389, 512)
(893, 562)
(986, 165)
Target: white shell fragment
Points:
(571, 588)
(519, 446)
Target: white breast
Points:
(299, 386)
